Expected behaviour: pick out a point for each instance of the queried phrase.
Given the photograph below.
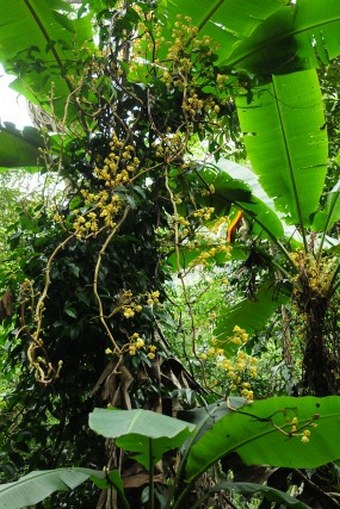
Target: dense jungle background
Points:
(169, 255)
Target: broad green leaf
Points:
(325, 219)
(43, 44)
(36, 486)
(260, 434)
(250, 314)
(146, 433)
(205, 417)
(227, 22)
(19, 148)
(294, 38)
(269, 493)
(285, 142)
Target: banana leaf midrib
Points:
(290, 164)
(210, 14)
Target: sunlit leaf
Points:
(43, 42)
(140, 431)
(285, 144)
(260, 434)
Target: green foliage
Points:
(88, 273)
(36, 486)
(261, 434)
(281, 127)
(151, 435)
(44, 60)
(145, 433)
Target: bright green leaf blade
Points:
(317, 31)
(286, 144)
(44, 44)
(37, 486)
(271, 494)
(19, 148)
(133, 428)
(205, 417)
(251, 315)
(115, 423)
(258, 433)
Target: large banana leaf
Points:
(35, 486)
(40, 45)
(259, 433)
(148, 434)
(286, 142)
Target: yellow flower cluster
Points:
(105, 204)
(313, 275)
(153, 298)
(129, 304)
(240, 336)
(240, 368)
(147, 42)
(221, 80)
(137, 343)
(182, 32)
(171, 145)
(203, 258)
(302, 431)
(204, 213)
(193, 105)
(185, 48)
(208, 191)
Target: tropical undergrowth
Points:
(132, 288)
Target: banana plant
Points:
(281, 116)
(286, 431)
